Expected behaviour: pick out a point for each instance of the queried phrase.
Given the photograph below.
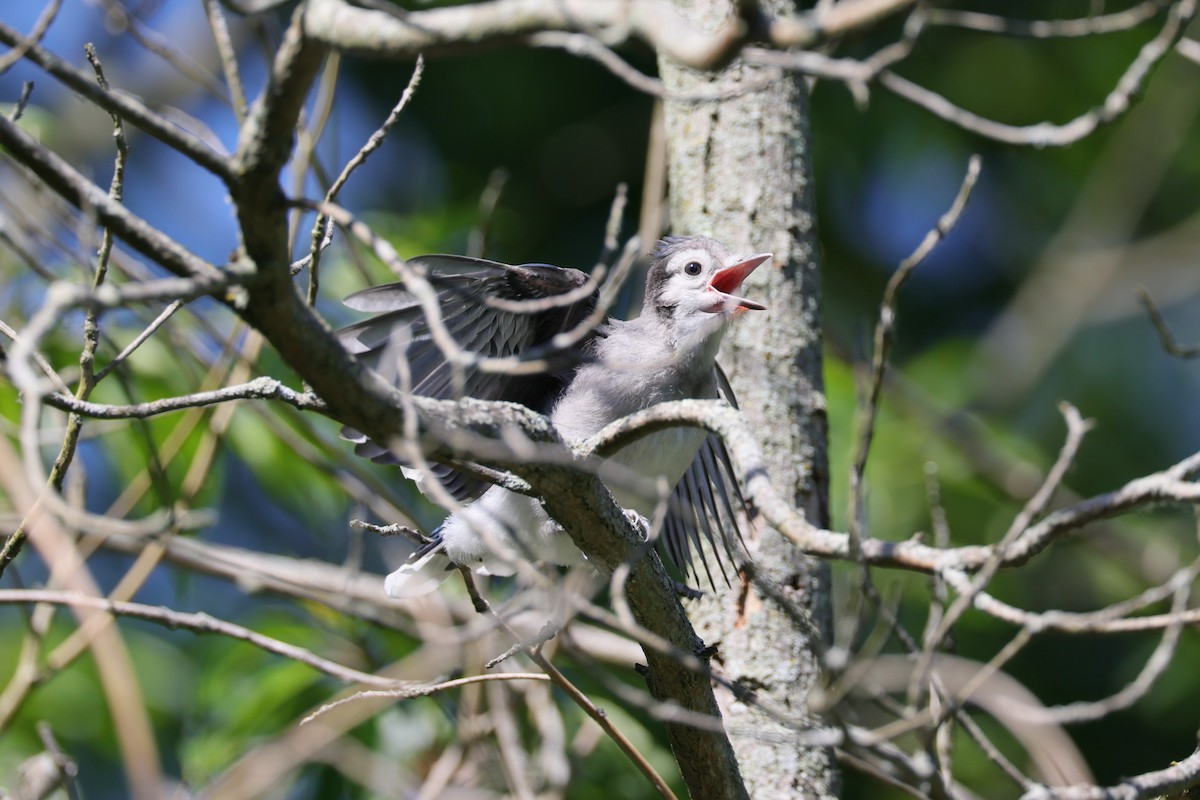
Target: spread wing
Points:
(492, 309)
(707, 506)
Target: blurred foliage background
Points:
(1030, 301)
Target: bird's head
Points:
(695, 282)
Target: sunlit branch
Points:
(1091, 25)
(257, 389)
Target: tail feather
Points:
(420, 575)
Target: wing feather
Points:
(707, 501)
(467, 289)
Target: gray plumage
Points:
(666, 353)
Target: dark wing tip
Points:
(707, 504)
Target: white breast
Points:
(667, 454)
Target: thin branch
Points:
(581, 44)
(1189, 49)
(598, 715)
(1169, 342)
(67, 768)
(38, 358)
(410, 690)
(883, 337)
(72, 186)
(121, 21)
(489, 198)
(22, 101)
(228, 55)
(140, 339)
(199, 622)
(1181, 775)
(375, 140)
(858, 75)
(571, 690)
(1135, 690)
(1091, 25)
(263, 388)
(1169, 485)
(91, 324)
(373, 143)
(1114, 619)
(1046, 134)
(18, 51)
(831, 22)
(1077, 428)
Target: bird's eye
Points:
(692, 268)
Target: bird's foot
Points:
(687, 592)
(640, 523)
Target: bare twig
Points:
(22, 101)
(67, 768)
(78, 190)
(1169, 342)
(1046, 134)
(581, 44)
(534, 653)
(18, 51)
(140, 339)
(1114, 619)
(228, 55)
(831, 21)
(257, 389)
(1181, 775)
(200, 623)
(123, 21)
(410, 690)
(1091, 25)
(373, 143)
(883, 338)
(858, 75)
(1077, 427)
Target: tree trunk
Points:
(740, 171)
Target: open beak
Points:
(727, 282)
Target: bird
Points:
(668, 352)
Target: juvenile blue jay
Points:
(666, 353)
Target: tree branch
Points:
(200, 622)
(404, 34)
(1179, 776)
(1169, 485)
(258, 389)
(68, 183)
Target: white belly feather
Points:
(664, 453)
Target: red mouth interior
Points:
(729, 280)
